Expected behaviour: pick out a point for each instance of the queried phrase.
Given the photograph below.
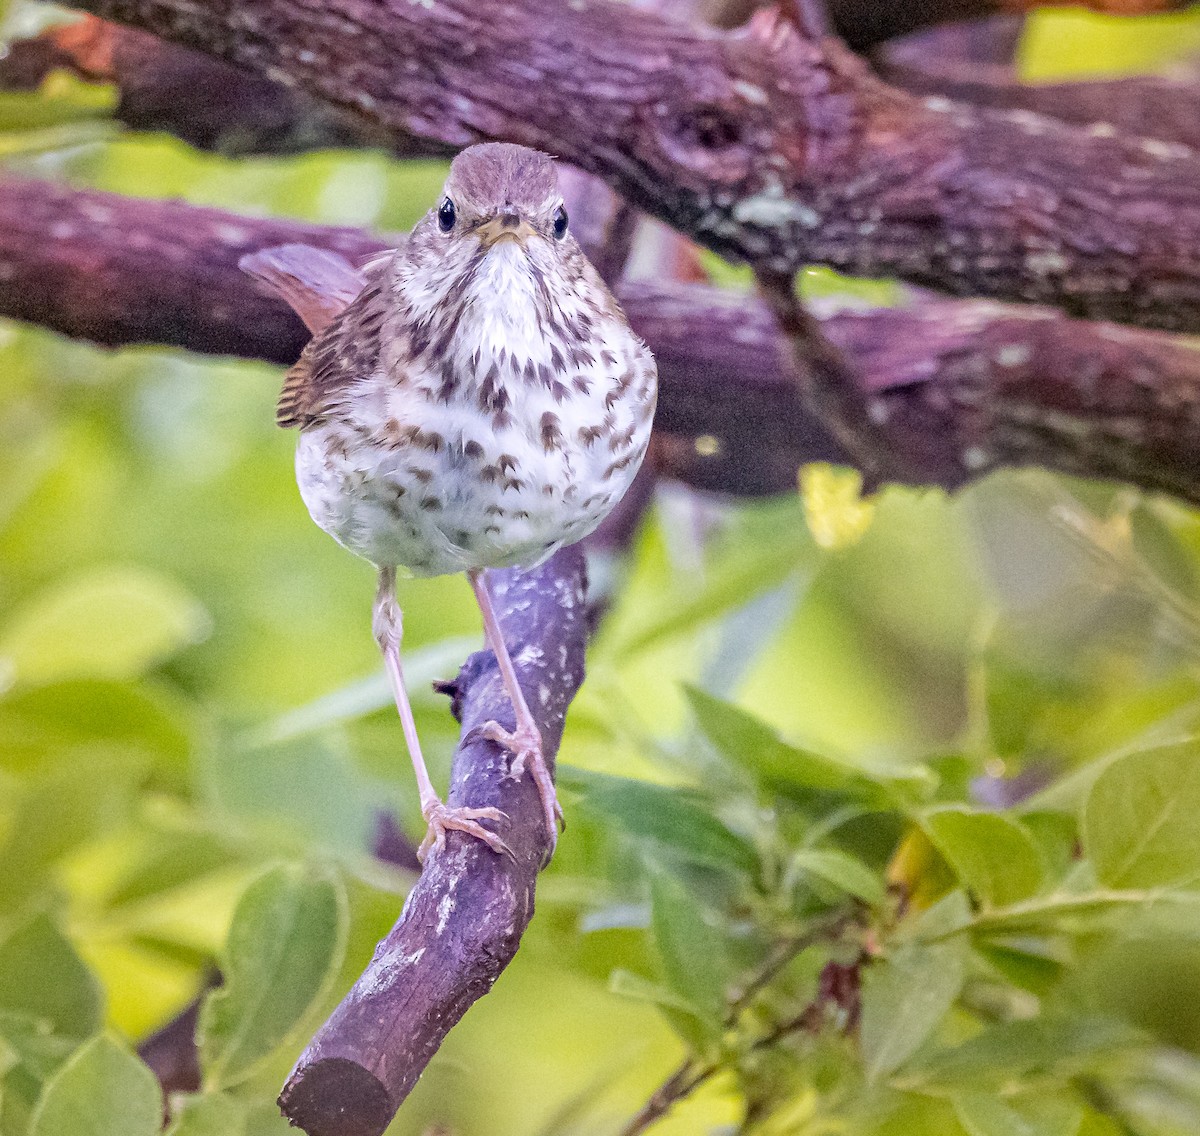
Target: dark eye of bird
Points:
(446, 215)
(560, 223)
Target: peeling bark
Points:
(760, 143)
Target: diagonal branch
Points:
(464, 918)
(760, 143)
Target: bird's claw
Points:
(442, 818)
(525, 745)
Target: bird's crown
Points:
(490, 176)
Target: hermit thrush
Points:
(479, 403)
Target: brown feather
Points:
(316, 283)
(345, 352)
(343, 306)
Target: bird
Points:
(472, 399)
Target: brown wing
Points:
(345, 352)
(344, 308)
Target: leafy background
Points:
(801, 713)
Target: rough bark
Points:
(463, 920)
(208, 103)
(760, 143)
(961, 387)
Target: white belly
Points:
(482, 497)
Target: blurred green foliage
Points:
(790, 761)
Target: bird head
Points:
(499, 193)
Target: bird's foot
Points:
(442, 818)
(525, 745)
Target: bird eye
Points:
(560, 223)
(446, 215)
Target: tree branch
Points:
(208, 103)
(762, 144)
(464, 918)
(962, 387)
(1165, 108)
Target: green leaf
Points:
(1162, 552)
(62, 99)
(41, 976)
(625, 984)
(112, 623)
(984, 1114)
(207, 1114)
(1071, 911)
(692, 952)
(103, 1090)
(676, 818)
(38, 1050)
(307, 796)
(173, 858)
(284, 947)
(693, 1025)
(1033, 964)
(845, 872)
(84, 795)
(1141, 821)
(37, 725)
(905, 998)
(1009, 1052)
(757, 748)
(994, 857)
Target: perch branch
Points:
(760, 143)
(961, 387)
(464, 918)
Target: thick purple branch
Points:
(762, 144)
(959, 387)
(205, 101)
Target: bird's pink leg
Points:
(525, 742)
(388, 628)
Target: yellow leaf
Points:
(834, 507)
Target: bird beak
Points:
(509, 224)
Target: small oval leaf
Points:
(905, 998)
(993, 856)
(845, 872)
(102, 1090)
(284, 947)
(1141, 820)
